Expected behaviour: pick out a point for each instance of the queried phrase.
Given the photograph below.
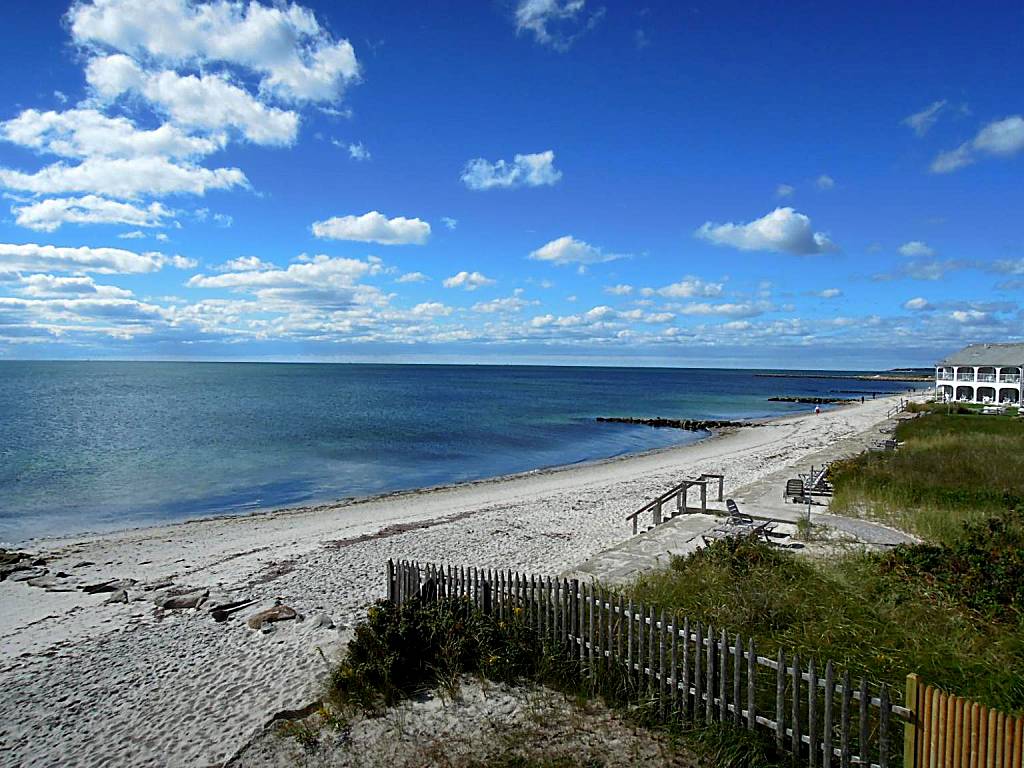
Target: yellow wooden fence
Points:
(952, 732)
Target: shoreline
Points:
(135, 684)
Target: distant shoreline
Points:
(859, 377)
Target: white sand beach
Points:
(84, 682)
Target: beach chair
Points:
(735, 516)
(795, 490)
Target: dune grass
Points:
(949, 469)
(942, 612)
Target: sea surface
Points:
(96, 446)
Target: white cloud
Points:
(48, 215)
(374, 227)
(412, 277)
(917, 303)
(784, 190)
(687, 288)
(555, 23)
(619, 290)
(825, 182)
(1001, 138)
(969, 316)
(297, 58)
(468, 280)
(321, 281)
(82, 133)
(30, 257)
(782, 230)
(921, 122)
(532, 170)
(568, 250)
(137, 234)
(431, 309)
(44, 286)
(245, 264)
(124, 178)
(829, 293)
(916, 248)
(358, 152)
(207, 102)
(449, 222)
(508, 304)
(727, 310)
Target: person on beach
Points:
(817, 410)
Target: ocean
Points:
(97, 446)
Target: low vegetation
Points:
(949, 469)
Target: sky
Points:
(823, 185)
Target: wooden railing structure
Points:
(681, 494)
(952, 732)
(683, 668)
(900, 407)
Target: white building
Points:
(982, 373)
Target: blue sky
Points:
(561, 181)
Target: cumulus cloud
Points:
(470, 281)
(534, 170)
(432, 309)
(619, 290)
(783, 230)
(743, 309)
(374, 227)
(208, 102)
(48, 215)
(969, 316)
(297, 59)
(555, 23)
(412, 277)
(916, 248)
(829, 293)
(449, 222)
(124, 178)
(1000, 138)
(30, 257)
(918, 303)
(569, 250)
(82, 133)
(245, 264)
(44, 286)
(357, 151)
(321, 281)
(921, 122)
(687, 288)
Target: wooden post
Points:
(620, 629)
(391, 581)
(591, 635)
(844, 723)
(629, 639)
(723, 677)
(737, 669)
(830, 689)
(652, 650)
(687, 711)
(884, 711)
(662, 693)
(780, 699)
(698, 679)
(862, 736)
(751, 685)
(704, 497)
(581, 621)
(709, 710)
(675, 667)
(797, 678)
(812, 715)
(910, 729)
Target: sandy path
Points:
(84, 683)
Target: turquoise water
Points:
(92, 446)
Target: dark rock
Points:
(276, 613)
(223, 611)
(25, 574)
(691, 425)
(111, 585)
(83, 564)
(121, 596)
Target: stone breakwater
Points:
(812, 400)
(692, 425)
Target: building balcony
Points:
(965, 377)
(944, 376)
(986, 377)
(1009, 378)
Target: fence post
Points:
(709, 710)
(675, 663)
(812, 714)
(910, 728)
(723, 677)
(780, 699)
(737, 669)
(797, 677)
(826, 715)
(862, 737)
(698, 680)
(686, 667)
(391, 581)
(751, 685)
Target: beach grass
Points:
(942, 612)
(949, 469)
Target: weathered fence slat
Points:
(751, 685)
(780, 700)
(709, 685)
(796, 743)
(844, 723)
(687, 711)
(698, 678)
(737, 671)
(812, 714)
(723, 676)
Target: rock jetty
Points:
(692, 425)
(811, 400)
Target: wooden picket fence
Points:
(684, 668)
(952, 732)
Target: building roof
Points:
(987, 354)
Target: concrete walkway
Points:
(762, 500)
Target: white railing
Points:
(944, 377)
(965, 377)
(1009, 378)
(986, 377)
